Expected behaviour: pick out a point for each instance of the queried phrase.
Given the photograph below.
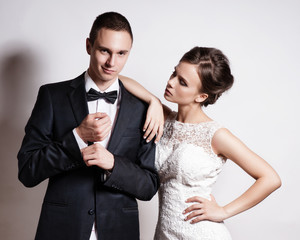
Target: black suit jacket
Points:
(76, 196)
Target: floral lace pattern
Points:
(187, 167)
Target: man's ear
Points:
(88, 46)
(201, 98)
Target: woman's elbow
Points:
(275, 181)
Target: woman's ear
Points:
(201, 98)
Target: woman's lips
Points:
(167, 92)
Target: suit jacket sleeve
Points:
(139, 178)
(42, 154)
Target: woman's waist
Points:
(173, 199)
(181, 191)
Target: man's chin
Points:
(108, 77)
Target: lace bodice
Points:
(199, 134)
(187, 166)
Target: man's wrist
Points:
(113, 163)
(79, 140)
(78, 133)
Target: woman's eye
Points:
(182, 82)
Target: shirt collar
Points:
(89, 83)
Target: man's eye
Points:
(104, 51)
(122, 53)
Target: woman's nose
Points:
(171, 82)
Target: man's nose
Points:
(111, 60)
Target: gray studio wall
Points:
(44, 41)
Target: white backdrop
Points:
(44, 41)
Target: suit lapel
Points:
(78, 99)
(126, 111)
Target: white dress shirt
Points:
(100, 105)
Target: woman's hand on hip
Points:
(204, 209)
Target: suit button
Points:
(91, 211)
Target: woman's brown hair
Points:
(214, 71)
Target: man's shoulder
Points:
(133, 100)
(61, 85)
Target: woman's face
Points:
(184, 85)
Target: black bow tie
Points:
(93, 95)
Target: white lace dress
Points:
(187, 167)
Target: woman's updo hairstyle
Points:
(214, 71)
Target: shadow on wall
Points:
(20, 206)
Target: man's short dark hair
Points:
(110, 20)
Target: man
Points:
(92, 190)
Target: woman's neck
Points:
(191, 114)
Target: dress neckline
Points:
(192, 124)
(188, 124)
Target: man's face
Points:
(108, 56)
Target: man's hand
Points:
(94, 128)
(97, 155)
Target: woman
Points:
(193, 149)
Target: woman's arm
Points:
(156, 114)
(267, 180)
